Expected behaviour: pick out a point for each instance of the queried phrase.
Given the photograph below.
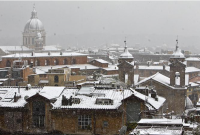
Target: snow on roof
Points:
(187, 69)
(126, 53)
(51, 92)
(177, 53)
(157, 77)
(145, 67)
(192, 59)
(44, 54)
(83, 66)
(155, 104)
(111, 67)
(162, 79)
(7, 95)
(101, 61)
(161, 121)
(191, 69)
(45, 69)
(87, 102)
(193, 84)
(7, 49)
(136, 78)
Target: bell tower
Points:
(177, 68)
(126, 67)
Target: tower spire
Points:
(177, 43)
(125, 48)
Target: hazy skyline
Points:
(106, 18)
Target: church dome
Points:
(33, 23)
(126, 53)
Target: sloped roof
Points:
(157, 77)
(101, 61)
(151, 101)
(161, 79)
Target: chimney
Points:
(16, 97)
(163, 67)
(33, 54)
(154, 94)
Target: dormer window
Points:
(70, 101)
(100, 101)
(76, 100)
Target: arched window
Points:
(56, 62)
(37, 63)
(56, 79)
(126, 78)
(65, 62)
(46, 62)
(8, 63)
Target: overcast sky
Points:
(130, 17)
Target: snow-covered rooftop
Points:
(151, 101)
(191, 69)
(44, 54)
(111, 67)
(159, 127)
(162, 79)
(146, 67)
(8, 49)
(87, 96)
(161, 121)
(192, 59)
(101, 61)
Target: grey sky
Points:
(130, 17)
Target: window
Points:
(45, 62)
(26, 41)
(56, 79)
(105, 124)
(32, 41)
(8, 64)
(38, 114)
(84, 121)
(73, 61)
(65, 62)
(56, 62)
(104, 101)
(36, 63)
